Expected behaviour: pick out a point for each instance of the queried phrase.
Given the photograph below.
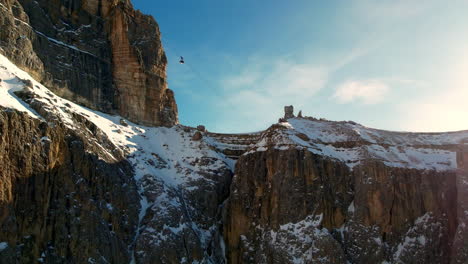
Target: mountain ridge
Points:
(104, 173)
(171, 178)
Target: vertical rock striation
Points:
(315, 191)
(77, 186)
(460, 241)
(274, 188)
(101, 54)
(62, 199)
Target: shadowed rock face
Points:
(181, 182)
(61, 199)
(274, 188)
(289, 205)
(101, 54)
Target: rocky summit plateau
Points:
(95, 167)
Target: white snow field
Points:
(352, 143)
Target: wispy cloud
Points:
(367, 91)
(276, 77)
(258, 91)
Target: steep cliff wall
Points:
(80, 186)
(274, 188)
(62, 199)
(171, 198)
(325, 192)
(101, 54)
(460, 241)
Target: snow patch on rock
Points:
(352, 143)
(167, 155)
(3, 246)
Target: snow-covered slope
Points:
(345, 141)
(183, 181)
(140, 143)
(353, 143)
(182, 168)
(10, 77)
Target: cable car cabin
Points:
(181, 61)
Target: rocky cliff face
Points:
(101, 54)
(156, 189)
(81, 186)
(324, 192)
(62, 198)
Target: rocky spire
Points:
(288, 112)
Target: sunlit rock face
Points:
(101, 54)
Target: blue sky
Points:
(397, 65)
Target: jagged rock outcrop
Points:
(101, 54)
(288, 112)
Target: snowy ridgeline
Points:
(181, 163)
(168, 155)
(173, 145)
(352, 143)
(139, 143)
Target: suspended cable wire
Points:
(209, 83)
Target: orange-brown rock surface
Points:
(102, 54)
(313, 192)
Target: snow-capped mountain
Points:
(91, 173)
(307, 190)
